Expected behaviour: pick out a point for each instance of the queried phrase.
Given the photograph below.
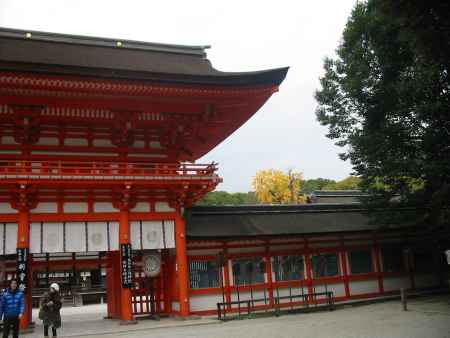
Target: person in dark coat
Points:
(12, 307)
(49, 310)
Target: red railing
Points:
(105, 170)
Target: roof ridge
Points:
(198, 50)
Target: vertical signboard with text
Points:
(22, 268)
(127, 265)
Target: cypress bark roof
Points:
(51, 53)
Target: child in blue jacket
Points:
(12, 306)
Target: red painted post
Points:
(309, 270)
(377, 252)
(226, 278)
(182, 264)
(23, 242)
(111, 287)
(343, 255)
(269, 276)
(124, 238)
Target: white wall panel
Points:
(104, 207)
(11, 238)
(35, 237)
(169, 231)
(135, 228)
(53, 237)
(141, 207)
(8, 140)
(163, 207)
(204, 302)
(48, 141)
(5, 208)
(75, 237)
(2, 237)
(75, 207)
(97, 236)
(361, 287)
(338, 289)
(395, 283)
(152, 235)
(76, 142)
(113, 236)
(46, 207)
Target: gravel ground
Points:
(426, 318)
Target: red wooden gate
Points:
(148, 293)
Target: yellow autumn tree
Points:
(275, 186)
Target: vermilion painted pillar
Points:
(377, 253)
(226, 278)
(23, 242)
(126, 314)
(269, 275)
(182, 264)
(111, 287)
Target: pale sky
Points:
(244, 35)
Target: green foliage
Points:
(386, 101)
(226, 198)
(308, 186)
(349, 183)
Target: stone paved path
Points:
(427, 317)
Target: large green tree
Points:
(386, 100)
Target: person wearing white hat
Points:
(49, 311)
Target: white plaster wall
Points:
(395, 283)
(141, 207)
(102, 142)
(426, 281)
(11, 238)
(285, 291)
(45, 207)
(155, 144)
(163, 207)
(205, 302)
(35, 237)
(5, 208)
(48, 141)
(337, 288)
(361, 287)
(53, 237)
(169, 227)
(152, 235)
(114, 236)
(104, 207)
(139, 144)
(8, 140)
(76, 142)
(76, 207)
(97, 236)
(75, 237)
(257, 294)
(135, 230)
